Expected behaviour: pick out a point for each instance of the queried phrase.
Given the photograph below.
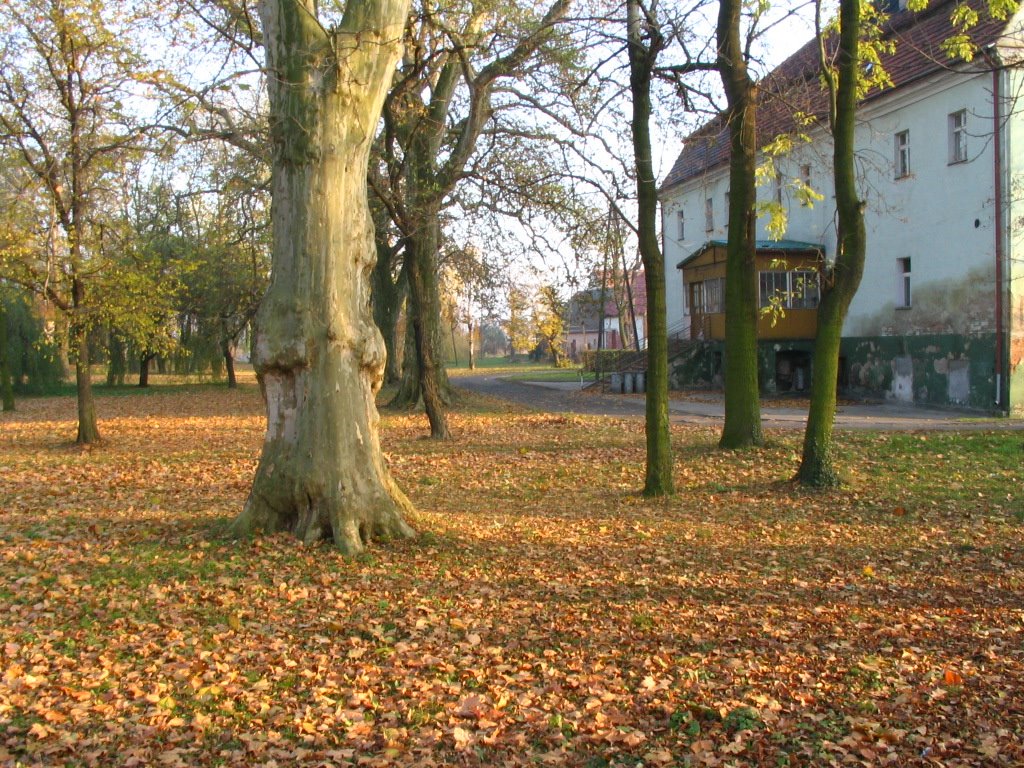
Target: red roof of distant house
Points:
(639, 286)
(794, 83)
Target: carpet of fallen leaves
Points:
(545, 615)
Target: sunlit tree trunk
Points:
(742, 426)
(817, 464)
(658, 478)
(318, 355)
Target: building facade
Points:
(939, 317)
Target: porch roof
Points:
(762, 246)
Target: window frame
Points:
(901, 154)
(787, 282)
(709, 214)
(957, 122)
(714, 296)
(681, 223)
(904, 288)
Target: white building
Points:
(939, 317)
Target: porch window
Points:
(803, 289)
(714, 295)
(774, 286)
(697, 298)
(797, 289)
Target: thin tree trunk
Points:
(6, 384)
(144, 362)
(408, 394)
(388, 296)
(425, 318)
(117, 365)
(742, 426)
(319, 357)
(817, 467)
(88, 432)
(472, 346)
(658, 477)
(229, 364)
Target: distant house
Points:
(595, 321)
(939, 318)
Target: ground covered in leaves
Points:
(546, 614)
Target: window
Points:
(714, 295)
(726, 214)
(790, 290)
(903, 283)
(708, 297)
(803, 289)
(681, 218)
(958, 137)
(773, 284)
(778, 187)
(709, 215)
(697, 299)
(902, 154)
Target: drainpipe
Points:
(998, 162)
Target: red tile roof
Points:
(793, 85)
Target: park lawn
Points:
(546, 615)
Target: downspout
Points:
(998, 162)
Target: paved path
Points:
(566, 397)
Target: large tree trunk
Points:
(816, 466)
(319, 357)
(658, 480)
(742, 426)
(425, 319)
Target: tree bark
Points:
(425, 319)
(742, 426)
(318, 355)
(228, 350)
(6, 385)
(117, 365)
(144, 362)
(658, 476)
(388, 296)
(408, 394)
(817, 467)
(88, 431)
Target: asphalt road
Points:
(707, 409)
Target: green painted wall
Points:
(943, 370)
